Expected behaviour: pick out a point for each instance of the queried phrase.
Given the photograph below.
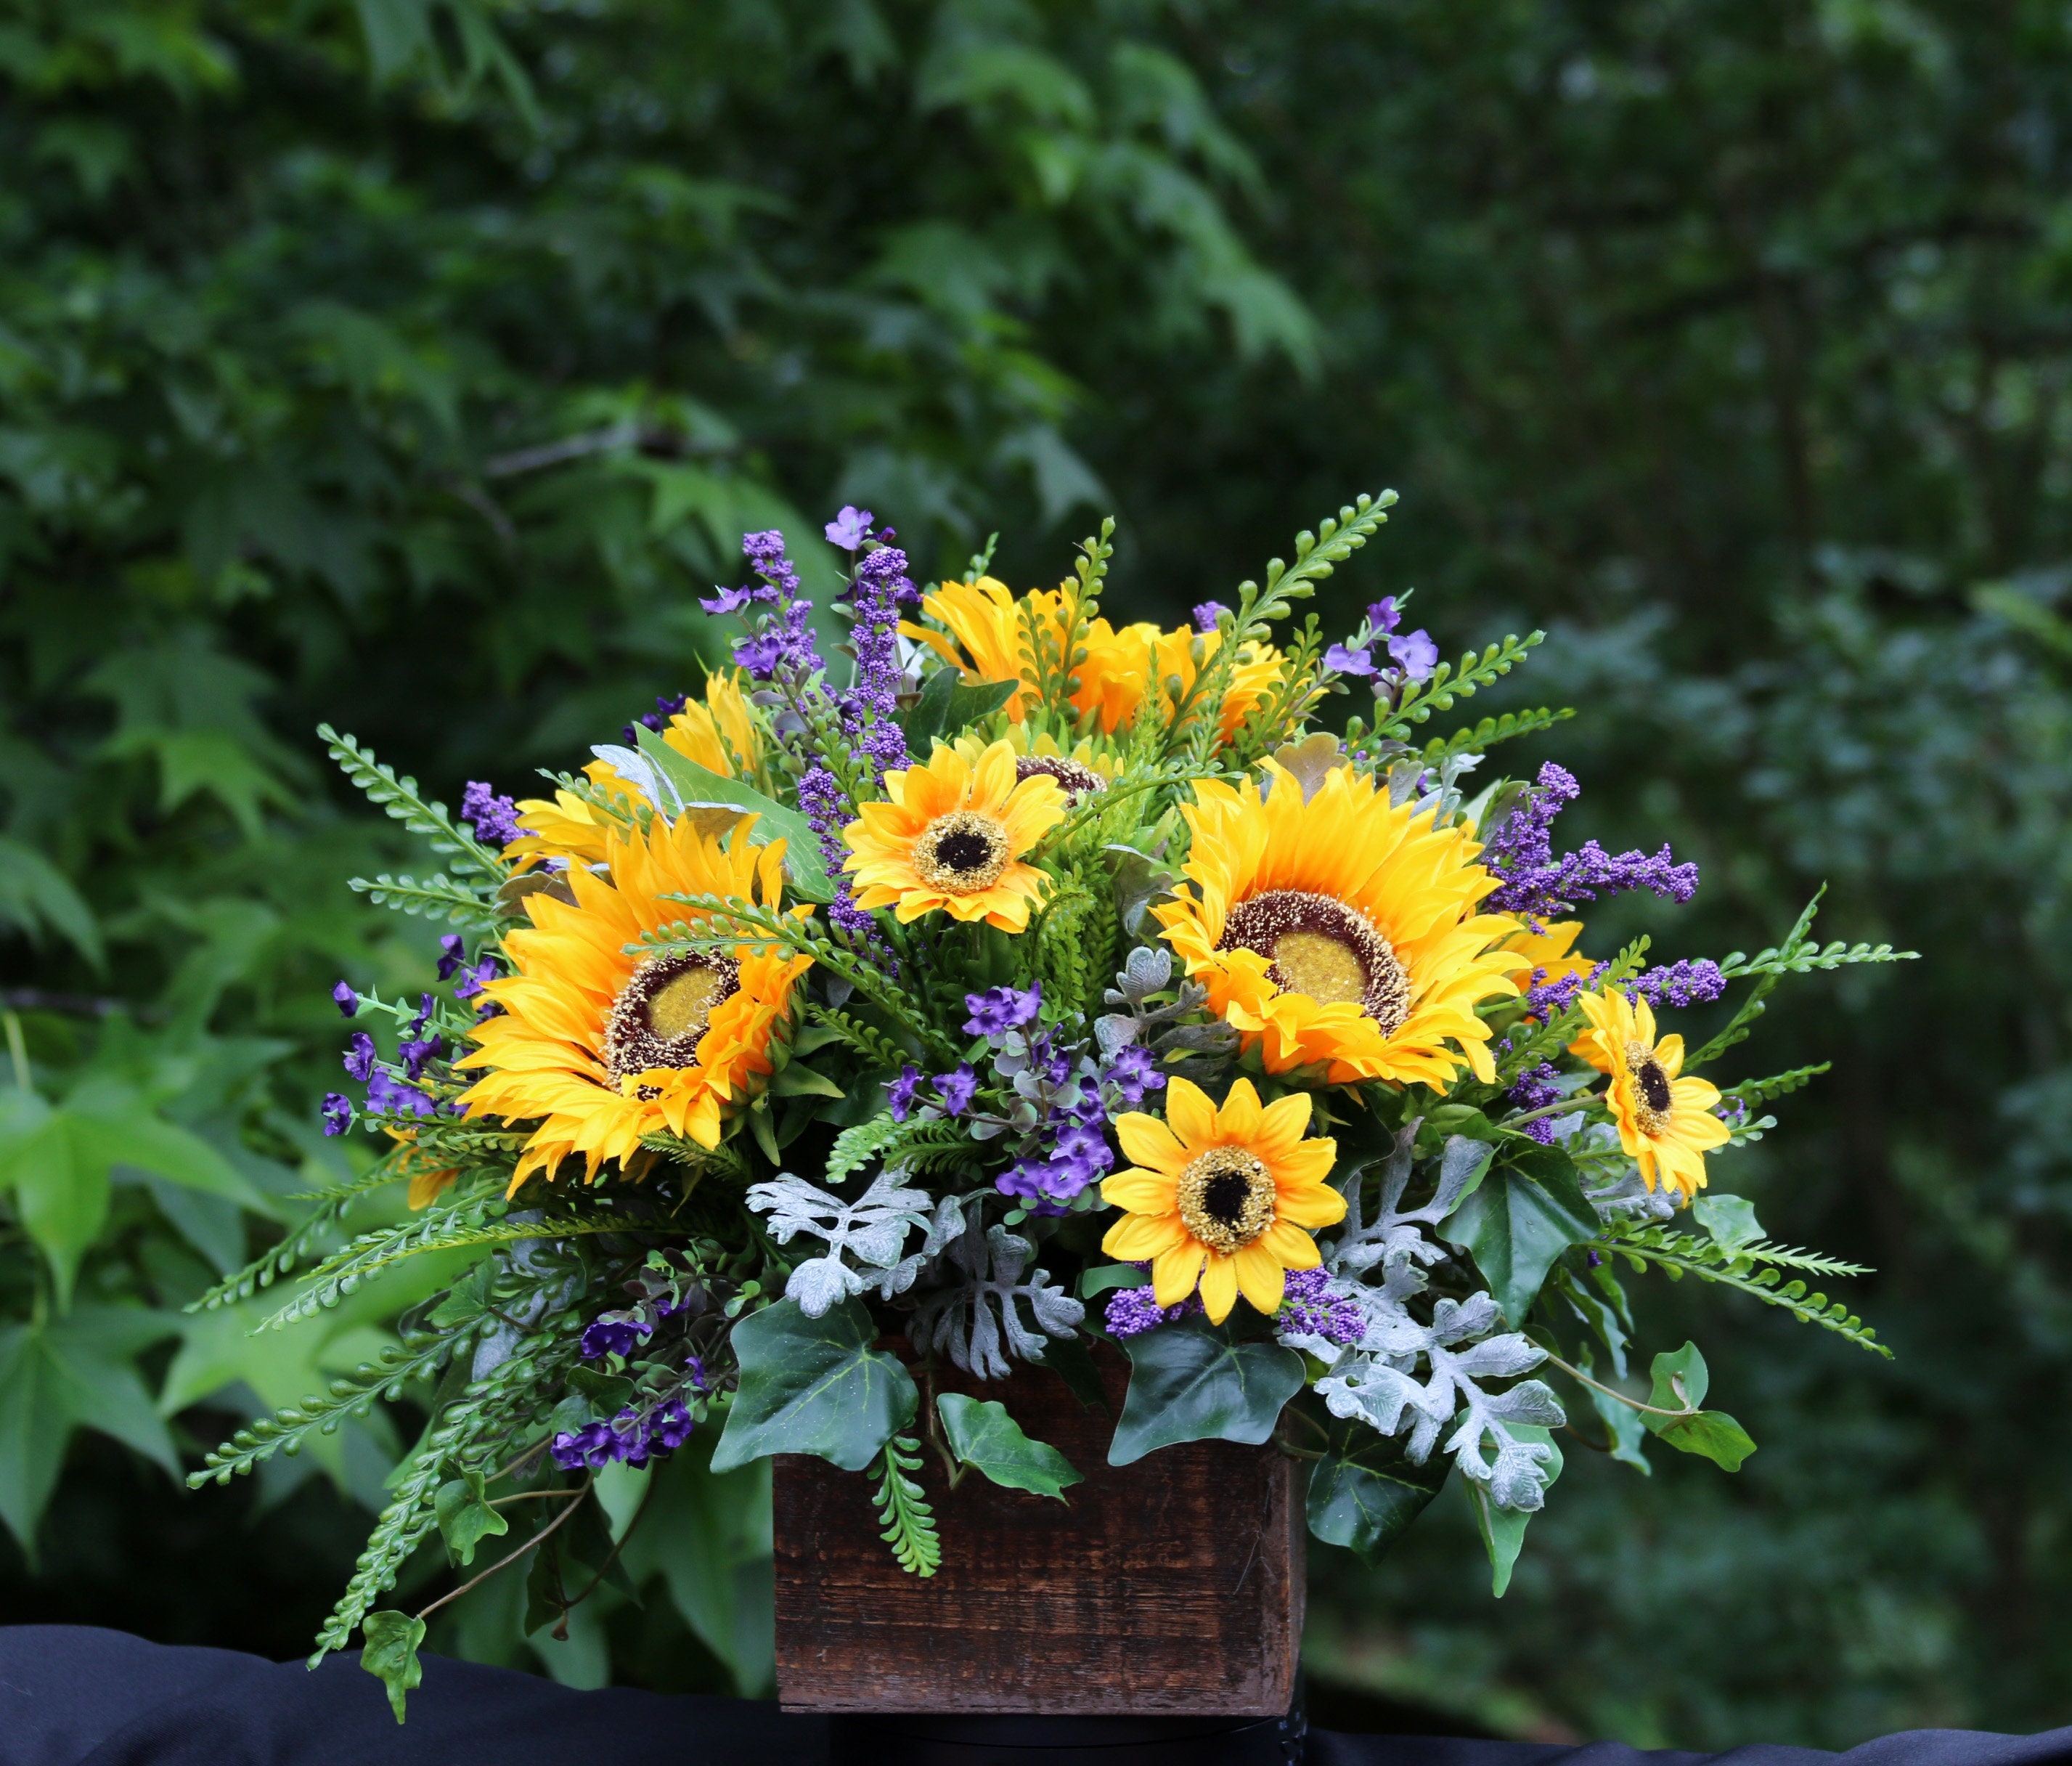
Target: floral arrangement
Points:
(1050, 984)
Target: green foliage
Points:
(1194, 1381)
(814, 1385)
(1364, 1492)
(1503, 1530)
(984, 1437)
(1518, 1220)
(391, 1655)
(909, 1525)
(1681, 1382)
(1678, 1254)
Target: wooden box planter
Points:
(1172, 1586)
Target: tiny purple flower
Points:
(1417, 655)
(957, 1090)
(727, 600)
(359, 1056)
(1385, 616)
(850, 528)
(416, 1051)
(1208, 613)
(455, 953)
(1341, 660)
(899, 1094)
(472, 980)
(593, 1446)
(1134, 1071)
(347, 1001)
(615, 1333)
(670, 1427)
(1000, 1010)
(1312, 1306)
(337, 1113)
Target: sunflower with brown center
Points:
(1665, 1122)
(601, 1047)
(1340, 931)
(951, 835)
(1227, 1198)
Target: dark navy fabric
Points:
(74, 1696)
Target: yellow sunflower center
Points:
(1652, 1097)
(662, 1011)
(1325, 947)
(1225, 1198)
(962, 853)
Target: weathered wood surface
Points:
(1173, 1585)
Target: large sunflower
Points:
(601, 1047)
(1340, 930)
(987, 635)
(951, 835)
(1665, 1123)
(1226, 1197)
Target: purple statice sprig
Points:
(1535, 1088)
(1132, 1312)
(492, 819)
(1536, 885)
(1314, 1305)
(631, 1438)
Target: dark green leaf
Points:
(1525, 1213)
(1069, 1358)
(1364, 1493)
(1104, 1277)
(1729, 1219)
(1681, 1382)
(814, 1385)
(1193, 1381)
(948, 705)
(391, 1654)
(984, 1436)
(805, 872)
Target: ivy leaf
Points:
(984, 1436)
(1681, 1382)
(1364, 1492)
(391, 1653)
(1192, 1382)
(465, 1516)
(1067, 1357)
(1521, 1217)
(948, 704)
(1730, 1219)
(814, 1385)
(1503, 1530)
(804, 871)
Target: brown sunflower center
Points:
(1077, 781)
(1225, 1198)
(1323, 947)
(662, 1011)
(1652, 1098)
(962, 853)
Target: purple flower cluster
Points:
(1000, 1010)
(494, 819)
(1536, 884)
(1311, 1305)
(871, 708)
(337, 1113)
(387, 1093)
(656, 720)
(615, 1333)
(1412, 657)
(781, 647)
(1132, 1312)
(629, 1438)
(1691, 981)
(1134, 1071)
(1535, 1088)
(1206, 614)
(954, 1091)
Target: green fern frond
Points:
(1678, 1254)
(873, 1044)
(1450, 681)
(909, 1525)
(302, 1239)
(435, 897)
(1486, 735)
(1754, 1092)
(399, 795)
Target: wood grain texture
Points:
(1172, 1585)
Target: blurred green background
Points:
(413, 364)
